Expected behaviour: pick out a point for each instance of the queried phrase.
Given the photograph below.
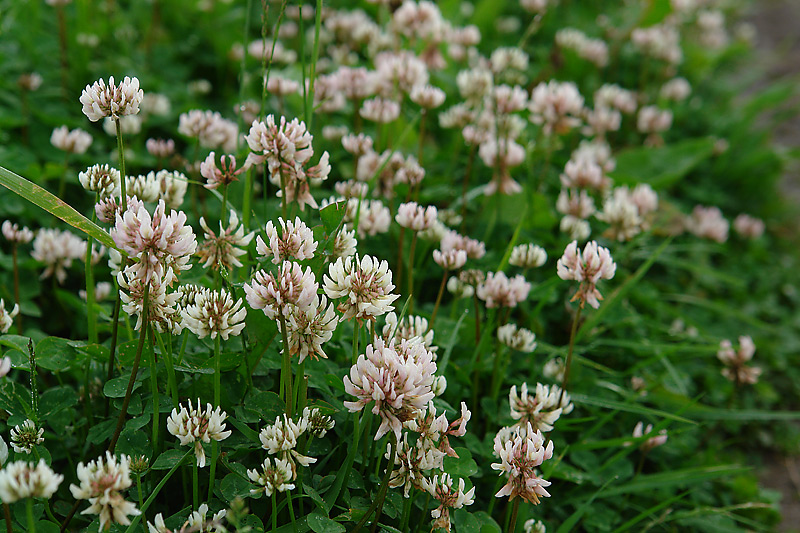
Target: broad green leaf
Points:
(168, 459)
(664, 166)
(117, 387)
(54, 205)
(322, 524)
(462, 466)
(55, 354)
(234, 486)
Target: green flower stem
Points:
(90, 300)
(7, 515)
(172, 383)
(299, 398)
(356, 328)
(217, 400)
(142, 335)
(141, 494)
(572, 334)
(407, 505)
(377, 503)
(424, 512)
(400, 241)
(29, 513)
(16, 286)
(512, 525)
(286, 370)
(224, 203)
(411, 273)
(195, 486)
(274, 510)
(333, 494)
(291, 509)
(121, 151)
(438, 299)
(154, 388)
(465, 185)
(247, 197)
(158, 488)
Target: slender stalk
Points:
(286, 370)
(29, 513)
(572, 334)
(153, 494)
(423, 114)
(465, 186)
(62, 45)
(224, 203)
(512, 524)
(356, 328)
(154, 388)
(274, 510)
(112, 351)
(438, 300)
(16, 286)
(377, 503)
(142, 335)
(247, 198)
(121, 151)
(400, 242)
(195, 486)
(291, 509)
(90, 311)
(217, 400)
(7, 515)
(172, 383)
(139, 489)
(477, 319)
(424, 512)
(411, 273)
(407, 505)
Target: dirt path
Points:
(778, 50)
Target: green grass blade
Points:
(620, 291)
(628, 407)
(648, 512)
(54, 205)
(573, 519)
(686, 476)
(513, 240)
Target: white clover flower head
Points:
(676, 89)
(224, 174)
(102, 180)
(345, 244)
(615, 97)
(6, 321)
(295, 241)
(498, 290)
(30, 81)
(194, 426)
(735, 361)
(534, 526)
(540, 410)
(20, 480)
(76, 141)
(223, 250)
(13, 233)
(278, 293)
(660, 41)
(25, 436)
(584, 171)
(450, 260)
(554, 369)
(5, 368)
(363, 284)
(157, 242)
(160, 148)
(357, 145)
(653, 442)
(128, 125)
(459, 289)
(449, 497)
(452, 240)
(527, 256)
(57, 249)
(380, 110)
(210, 129)
(281, 437)
(516, 338)
(161, 311)
(556, 106)
(102, 100)
(427, 96)
(521, 451)
(397, 379)
(748, 227)
(651, 119)
(501, 157)
(622, 215)
(310, 327)
(102, 483)
(575, 228)
(198, 521)
(214, 313)
(280, 86)
(708, 223)
(588, 268)
(318, 423)
(272, 478)
(415, 217)
(407, 329)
